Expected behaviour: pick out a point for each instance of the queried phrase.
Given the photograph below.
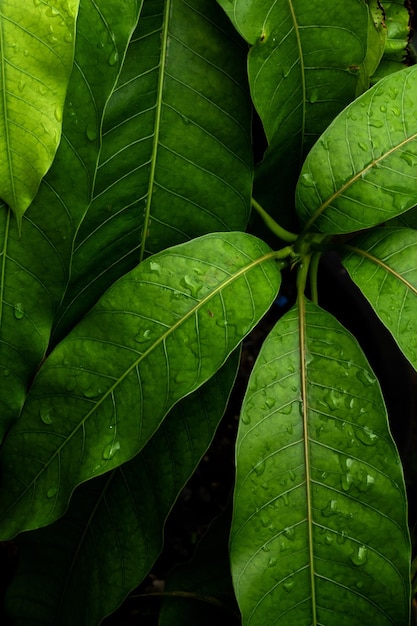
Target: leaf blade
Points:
(131, 357)
(333, 566)
(374, 142)
(36, 50)
(382, 264)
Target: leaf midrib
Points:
(158, 116)
(354, 178)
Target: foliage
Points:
(130, 275)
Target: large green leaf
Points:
(176, 160)
(361, 172)
(111, 534)
(396, 21)
(36, 56)
(35, 264)
(319, 533)
(383, 263)
(155, 336)
(303, 69)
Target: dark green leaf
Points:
(320, 505)
(303, 69)
(361, 171)
(396, 20)
(383, 263)
(36, 55)
(111, 534)
(176, 159)
(154, 337)
(201, 591)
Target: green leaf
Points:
(36, 56)
(154, 337)
(383, 263)
(201, 591)
(303, 69)
(360, 172)
(111, 534)
(397, 18)
(377, 36)
(180, 166)
(35, 263)
(320, 506)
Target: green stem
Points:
(314, 266)
(273, 226)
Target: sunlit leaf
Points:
(320, 503)
(36, 56)
(362, 171)
(383, 263)
(112, 532)
(154, 337)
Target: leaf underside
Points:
(320, 503)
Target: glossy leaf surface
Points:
(396, 20)
(176, 158)
(154, 337)
(383, 263)
(362, 171)
(36, 262)
(36, 55)
(112, 532)
(320, 503)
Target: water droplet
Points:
(6, 372)
(330, 509)
(286, 409)
(155, 267)
(245, 418)
(289, 585)
(110, 450)
(410, 159)
(360, 556)
(383, 108)
(192, 283)
(396, 111)
(308, 180)
(289, 533)
(328, 540)
(91, 132)
(51, 492)
(314, 96)
(270, 402)
(18, 311)
(376, 123)
(367, 436)
(143, 337)
(45, 415)
(259, 468)
(363, 146)
(346, 481)
(272, 561)
(37, 2)
(113, 58)
(365, 377)
(290, 428)
(266, 548)
(21, 85)
(68, 37)
(51, 11)
(58, 114)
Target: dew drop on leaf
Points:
(18, 311)
(360, 556)
(367, 436)
(52, 492)
(289, 533)
(113, 58)
(330, 509)
(110, 450)
(272, 561)
(286, 409)
(91, 132)
(143, 337)
(259, 468)
(363, 146)
(365, 377)
(58, 114)
(245, 418)
(45, 415)
(288, 586)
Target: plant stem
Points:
(273, 226)
(314, 266)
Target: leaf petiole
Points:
(273, 226)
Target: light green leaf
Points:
(154, 337)
(112, 533)
(36, 56)
(320, 506)
(383, 263)
(362, 171)
(176, 160)
(396, 20)
(377, 36)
